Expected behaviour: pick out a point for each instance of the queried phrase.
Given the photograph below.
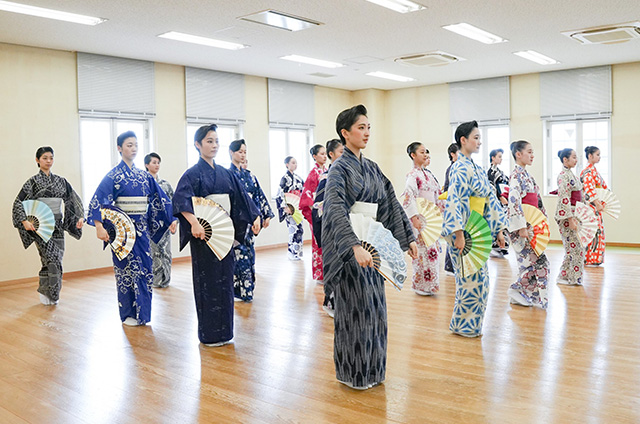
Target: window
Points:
(285, 142)
(98, 148)
(226, 134)
(492, 137)
(576, 135)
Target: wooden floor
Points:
(577, 362)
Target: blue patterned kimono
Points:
(134, 274)
(466, 180)
(291, 183)
(244, 276)
(212, 278)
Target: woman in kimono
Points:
(468, 180)
(161, 251)
(319, 154)
(591, 179)
(498, 178)
(360, 321)
(291, 183)
(52, 190)
(569, 193)
(452, 151)
(530, 289)
(334, 149)
(421, 184)
(244, 275)
(136, 193)
(212, 278)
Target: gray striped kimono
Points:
(360, 337)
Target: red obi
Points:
(576, 196)
(530, 199)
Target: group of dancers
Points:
(354, 290)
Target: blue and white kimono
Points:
(291, 183)
(469, 180)
(244, 275)
(134, 274)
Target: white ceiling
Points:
(352, 29)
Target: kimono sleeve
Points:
(160, 212)
(396, 221)
(514, 208)
(494, 214)
(306, 197)
(563, 210)
(410, 195)
(337, 235)
(316, 211)
(104, 195)
(589, 184)
(182, 202)
(453, 211)
(243, 209)
(19, 214)
(261, 200)
(73, 211)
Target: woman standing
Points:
(244, 275)
(467, 181)
(591, 179)
(498, 178)
(137, 194)
(569, 193)
(52, 190)
(334, 148)
(319, 154)
(291, 183)
(530, 289)
(421, 184)
(360, 337)
(212, 278)
(452, 151)
(161, 251)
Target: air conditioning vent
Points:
(428, 59)
(606, 35)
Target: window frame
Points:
(237, 127)
(482, 157)
(277, 173)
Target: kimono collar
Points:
(518, 167)
(348, 152)
(125, 168)
(203, 162)
(43, 174)
(494, 167)
(463, 157)
(234, 168)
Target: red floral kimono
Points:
(306, 203)
(591, 179)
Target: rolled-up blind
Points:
(485, 101)
(214, 96)
(291, 103)
(113, 85)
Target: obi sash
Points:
(366, 209)
(531, 199)
(222, 200)
(133, 205)
(576, 196)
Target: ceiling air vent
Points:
(606, 35)
(428, 59)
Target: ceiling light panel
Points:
(401, 6)
(392, 77)
(469, 31)
(204, 41)
(276, 19)
(312, 61)
(536, 57)
(41, 12)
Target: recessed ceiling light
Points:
(312, 61)
(280, 20)
(195, 39)
(390, 76)
(534, 56)
(41, 12)
(402, 6)
(474, 33)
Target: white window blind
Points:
(576, 93)
(115, 86)
(214, 96)
(485, 101)
(291, 103)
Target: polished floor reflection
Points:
(577, 362)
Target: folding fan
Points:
(218, 227)
(41, 216)
(477, 244)
(388, 257)
(588, 223)
(539, 232)
(293, 201)
(431, 221)
(121, 230)
(611, 203)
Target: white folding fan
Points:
(431, 221)
(121, 230)
(218, 227)
(388, 257)
(41, 216)
(588, 223)
(611, 203)
(293, 201)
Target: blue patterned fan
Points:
(41, 216)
